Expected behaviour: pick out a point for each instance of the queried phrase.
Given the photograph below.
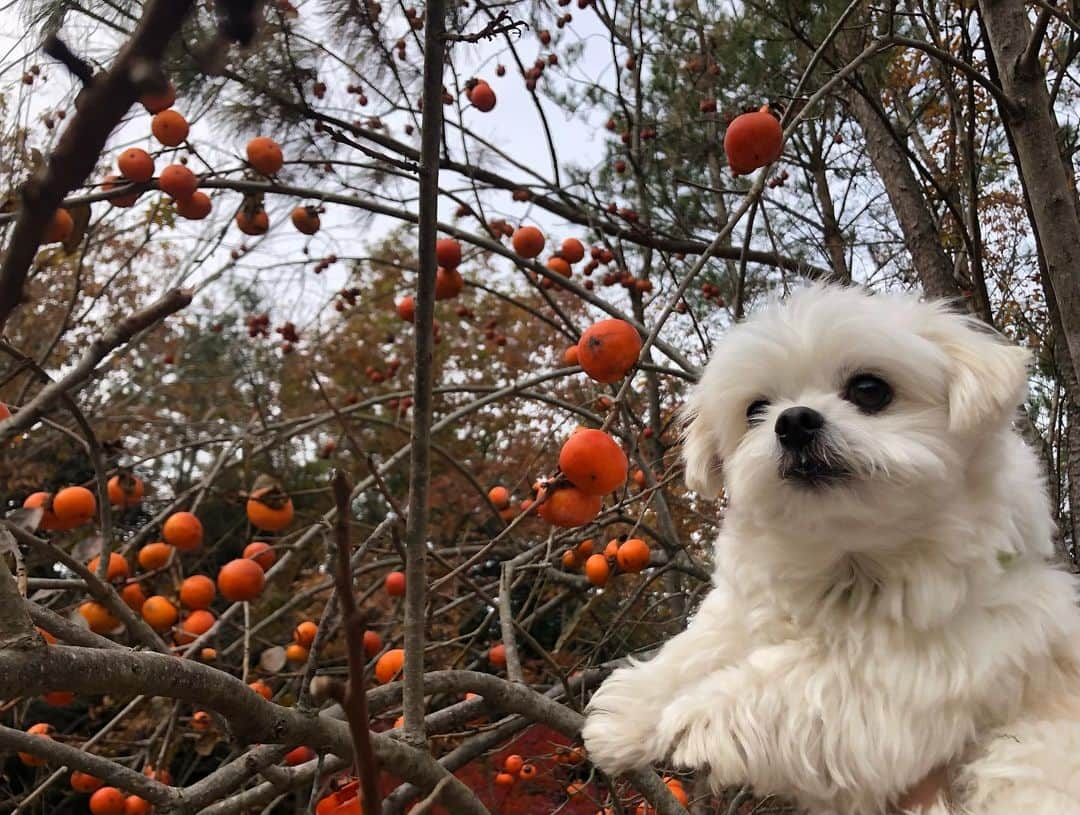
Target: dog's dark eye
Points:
(755, 409)
(868, 393)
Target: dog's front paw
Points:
(700, 735)
(620, 726)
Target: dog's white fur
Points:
(860, 634)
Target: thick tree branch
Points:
(420, 447)
(251, 718)
(16, 627)
(56, 753)
(1028, 63)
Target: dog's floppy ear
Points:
(700, 451)
(988, 377)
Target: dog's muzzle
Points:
(804, 448)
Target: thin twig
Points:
(506, 622)
(503, 23)
(354, 702)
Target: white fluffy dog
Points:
(884, 602)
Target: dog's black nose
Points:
(796, 427)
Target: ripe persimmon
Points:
(528, 772)
(44, 501)
(497, 655)
(572, 756)
(597, 570)
(116, 570)
(241, 580)
(406, 308)
(559, 266)
(608, 349)
(306, 219)
(125, 490)
(135, 164)
(677, 790)
(159, 613)
(134, 805)
(178, 181)
(305, 632)
(389, 665)
(253, 223)
(58, 698)
(570, 560)
(201, 721)
(84, 782)
(197, 592)
(593, 461)
(163, 775)
(345, 801)
(295, 652)
(195, 208)
(107, 801)
(298, 755)
(261, 553)
(111, 182)
(60, 226)
(264, 154)
(612, 549)
(570, 506)
(499, 496)
(482, 97)
(505, 780)
(448, 253)
(194, 625)
(97, 617)
(528, 241)
(448, 283)
(753, 140)
(45, 635)
(372, 643)
(513, 764)
(41, 730)
(270, 513)
(169, 128)
(262, 689)
(74, 506)
(133, 596)
(159, 101)
(572, 250)
(154, 555)
(183, 530)
(633, 555)
(395, 584)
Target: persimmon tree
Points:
(344, 345)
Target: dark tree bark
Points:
(1032, 130)
(917, 223)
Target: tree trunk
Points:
(917, 224)
(1030, 123)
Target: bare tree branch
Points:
(102, 106)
